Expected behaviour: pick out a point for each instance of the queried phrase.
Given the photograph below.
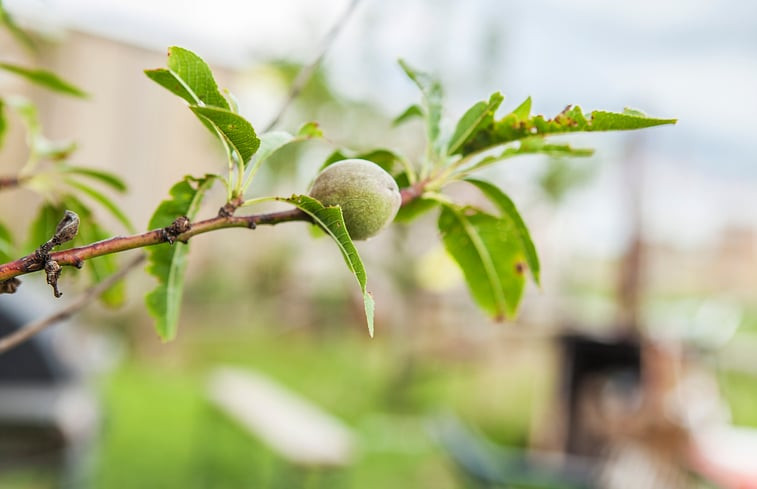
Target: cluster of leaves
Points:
(493, 249)
(49, 172)
(189, 77)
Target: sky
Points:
(691, 59)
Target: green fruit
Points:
(368, 195)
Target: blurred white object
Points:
(726, 455)
(295, 428)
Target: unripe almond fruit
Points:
(368, 195)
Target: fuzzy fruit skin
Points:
(368, 195)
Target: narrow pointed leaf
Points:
(171, 82)
(507, 207)
(168, 262)
(515, 126)
(412, 112)
(21, 36)
(44, 78)
(523, 111)
(236, 130)
(330, 219)
(475, 117)
(431, 90)
(531, 145)
(111, 180)
(7, 250)
(189, 77)
(104, 201)
(489, 252)
(310, 130)
(43, 226)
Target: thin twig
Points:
(307, 71)
(26, 332)
(9, 182)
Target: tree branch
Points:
(77, 256)
(17, 337)
(10, 182)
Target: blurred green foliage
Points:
(159, 430)
(738, 389)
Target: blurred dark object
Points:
(47, 416)
(487, 465)
(600, 385)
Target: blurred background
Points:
(640, 341)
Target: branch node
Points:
(230, 207)
(9, 286)
(181, 225)
(52, 270)
(67, 228)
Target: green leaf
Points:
(509, 211)
(516, 126)
(171, 82)
(44, 78)
(523, 111)
(337, 155)
(561, 176)
(475, 117)
(414, 209)
(331, 221)
(431, 90)
(168, 262)
(91, 231)
(104, 201)
(7, 250)
(236, 130)
(15, 30)
(489, 252)
(530, 145)
(310, 130)
(189, 77)
(411, 112)
(111, 180)
(43, 226)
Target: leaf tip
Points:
(369, 311)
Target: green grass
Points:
(161, 433)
